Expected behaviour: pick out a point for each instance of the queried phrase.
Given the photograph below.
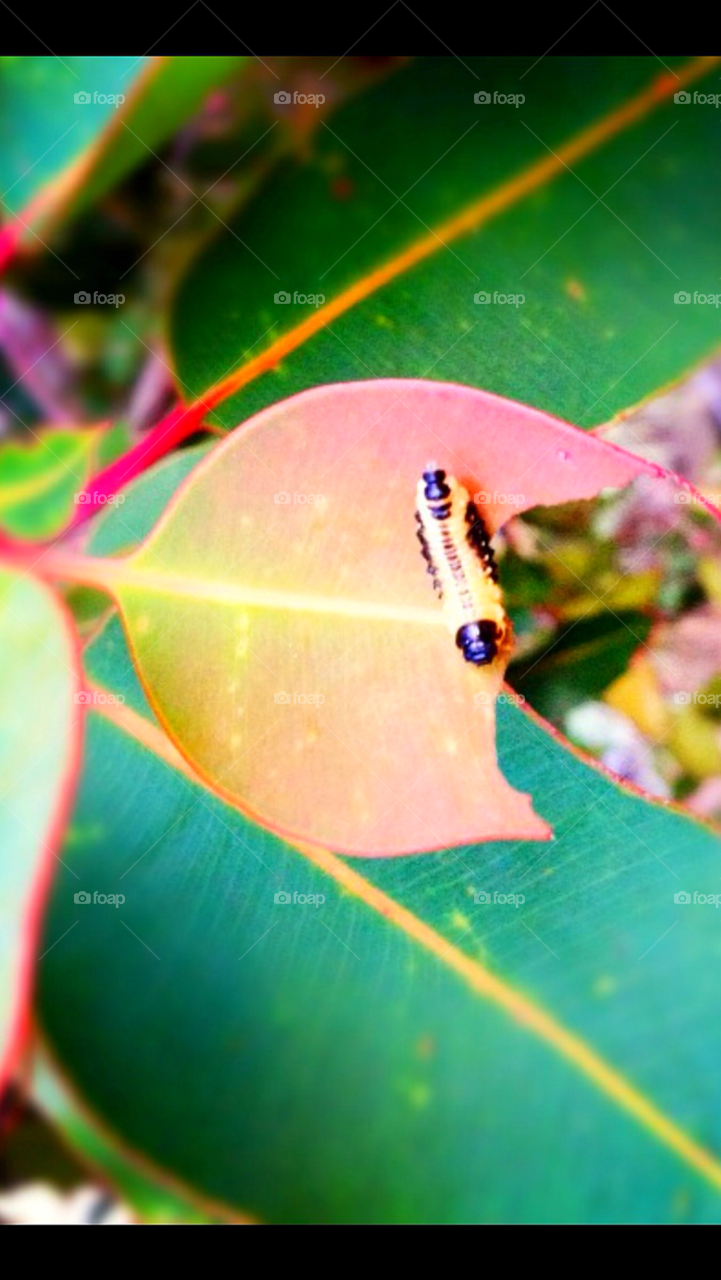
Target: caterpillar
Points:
(456, 545)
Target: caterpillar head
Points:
(434, 482)
(478, 641)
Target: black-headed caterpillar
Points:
(457, 547)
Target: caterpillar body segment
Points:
(457, 548)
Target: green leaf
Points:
(582, 661)
(39, 481)
(42, 128)
(90, 145)
(39, 751)
(118, 529)
(594, 199)
(399, 1052)
(174, 92)
(135, 1183)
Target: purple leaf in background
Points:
(33, 350)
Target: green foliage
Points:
(39, 732)
(260, 1038)
(598, 246)
(413, 1046)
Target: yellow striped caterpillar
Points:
(457, 547)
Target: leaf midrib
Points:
(479, 211)
(119, 577)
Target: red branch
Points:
(175, 427)
(9, 237)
